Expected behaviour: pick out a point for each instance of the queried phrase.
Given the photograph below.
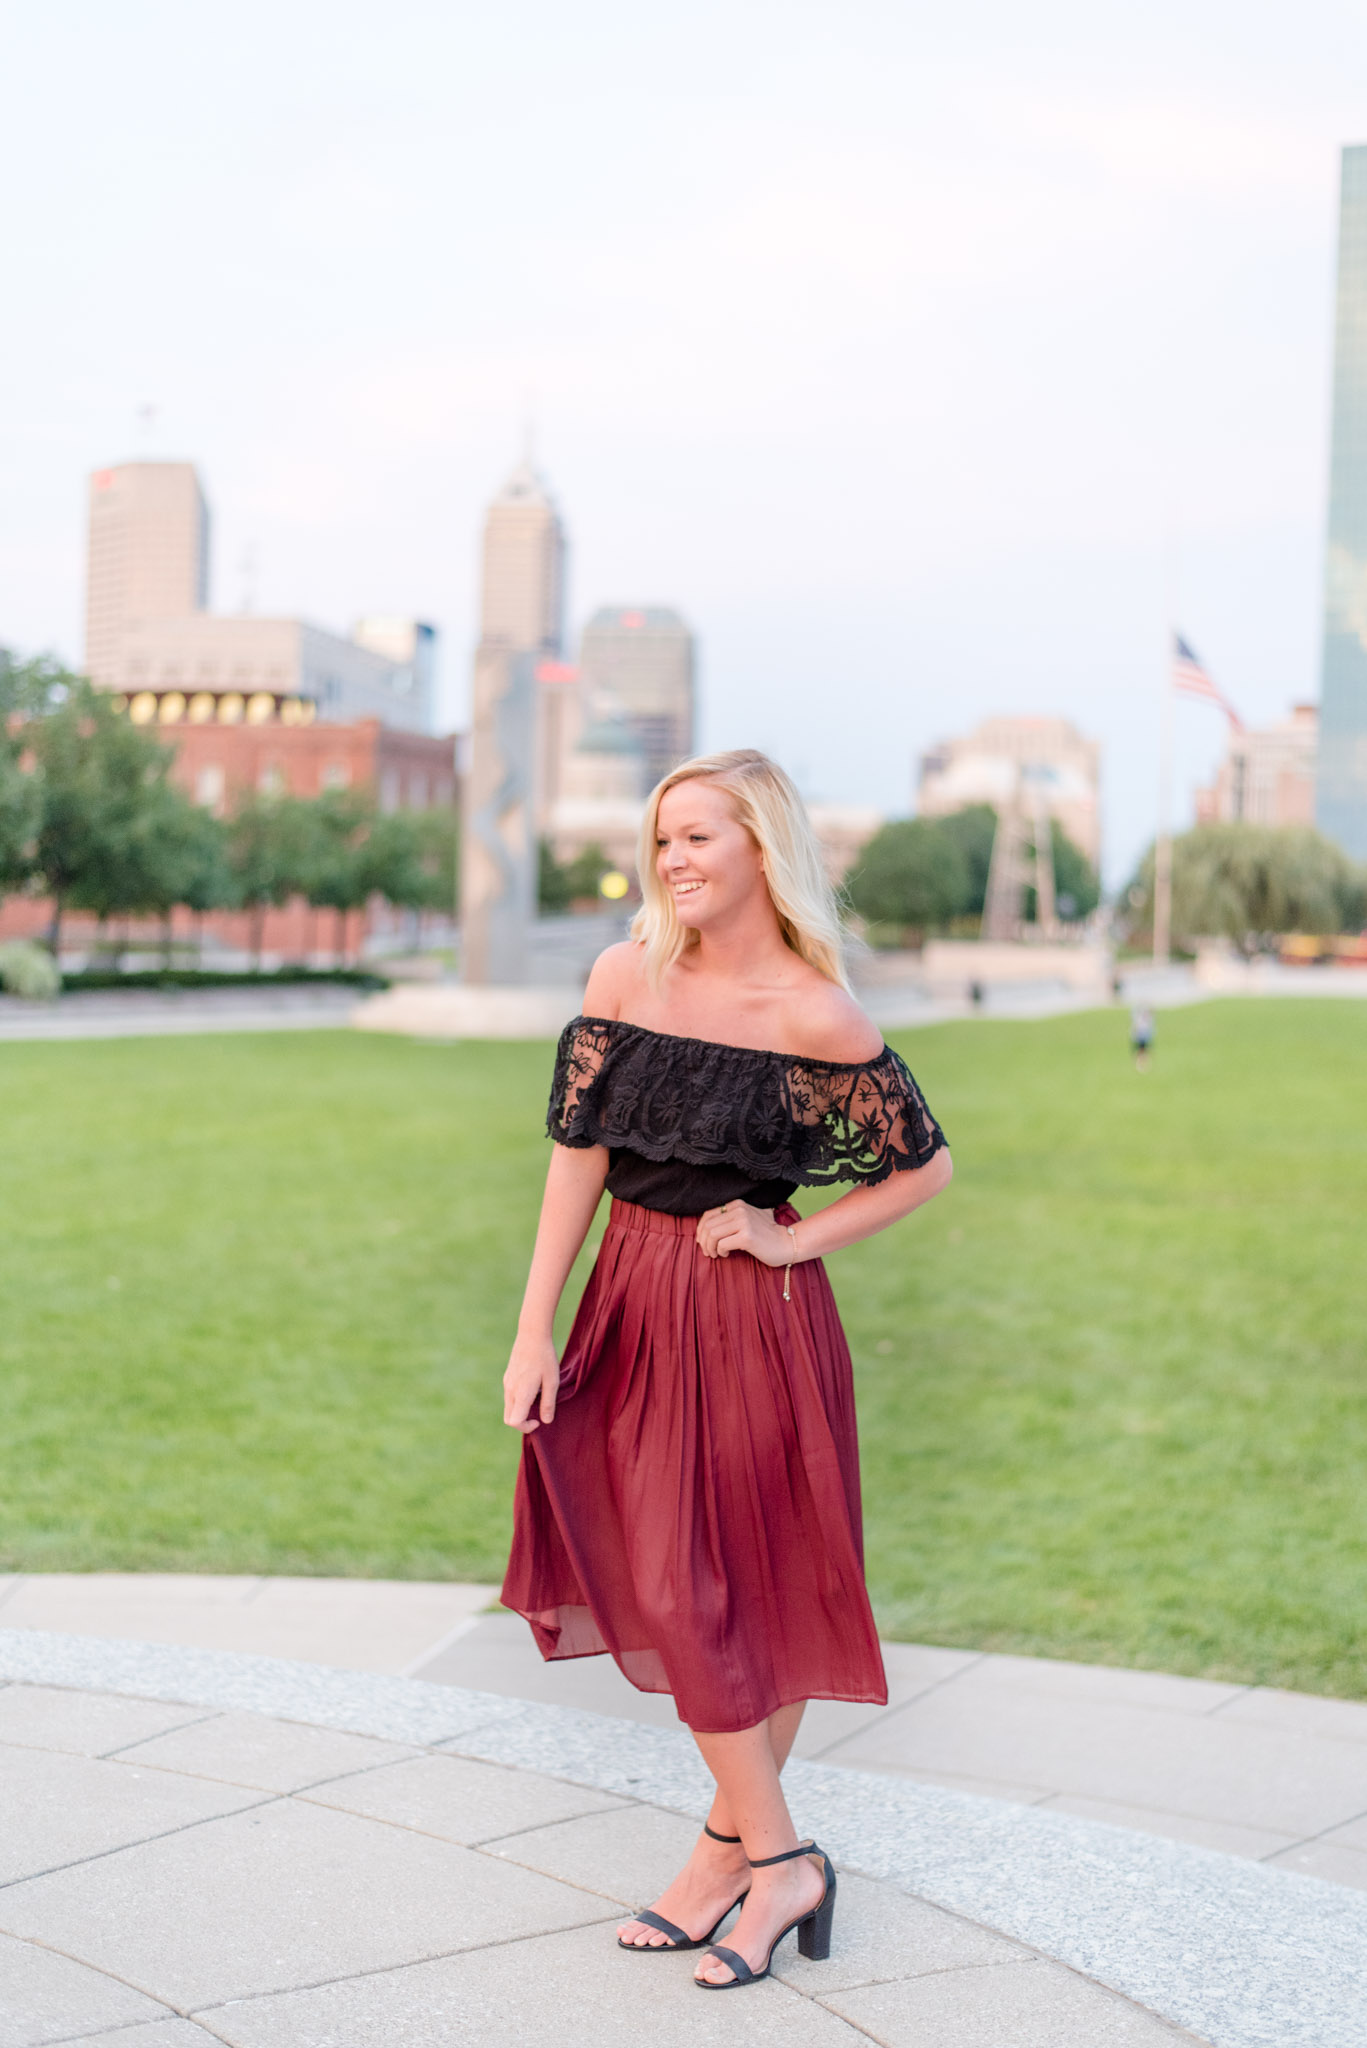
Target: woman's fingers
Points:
(726, 1230)
(550, 1389)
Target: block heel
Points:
(814, 1933)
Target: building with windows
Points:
(1341, 783)
(522, 595)
(522, 567)
(992, 764)
(151, 638)
(1267, 777)
(640, 658)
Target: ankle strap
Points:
(716, 1837)
(803, 1849)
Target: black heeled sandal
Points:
(677, 1938)
(813, 1927)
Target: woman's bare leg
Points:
(716, 1871)
(746, 1769)
(782, 1727)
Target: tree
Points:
(972, 830)
(1252, 883)
(103, 798)
(563, 883)
(271, 845)
(23, 688)
(912, 874)
(410, 858)
(1077, 885)
(183, 855)
(338, 874)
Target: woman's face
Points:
(704, 855)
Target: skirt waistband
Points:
(632, 1216)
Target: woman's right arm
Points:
(574, 1188)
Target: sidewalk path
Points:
(159, 1013)
(202, 1845)
(1273, 1776)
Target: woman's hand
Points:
(736, 1227)
(533, 1375)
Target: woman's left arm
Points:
(861, 1213)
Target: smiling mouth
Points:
(686, 888)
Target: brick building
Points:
(218, 763)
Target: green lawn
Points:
(257, 1292)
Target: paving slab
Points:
(1018, 2005)
(88, 1724)
(627, 1857)
(288, 1893)
(1217, 1769)
(880, 1933)
(500, 1649)
(953, 1781)
(559, 1991)
(461, 1801)
(167, 2033)
(1299, 1713)
(265, 1755)
(355, 1624)
(1105, 1684)
(47, 1998)
(59, 1808)
(1353, 1834)
(1329, 1859)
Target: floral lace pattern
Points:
(777, 1117)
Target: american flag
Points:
(1189, 675)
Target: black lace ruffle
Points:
(776, 1117)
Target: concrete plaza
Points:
(331, 1813)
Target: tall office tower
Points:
(1341, 782)
(522, 589)
(148, 554)
(641, 660)
(521, 605)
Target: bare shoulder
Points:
(831, 1026)
(616, 975)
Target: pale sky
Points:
(915, 353)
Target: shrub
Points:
(29, 971)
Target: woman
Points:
(689, 1492)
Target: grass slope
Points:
(258, 1292)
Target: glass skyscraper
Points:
(1341, 790)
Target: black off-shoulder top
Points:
(690, 1124)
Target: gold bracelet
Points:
(788, 1269)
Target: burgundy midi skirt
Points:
(694, 1506)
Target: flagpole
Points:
(1162, 849)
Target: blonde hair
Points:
(769, 807)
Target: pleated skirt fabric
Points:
(693, 1508)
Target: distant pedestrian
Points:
(1141, 1035)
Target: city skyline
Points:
(906, 393)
